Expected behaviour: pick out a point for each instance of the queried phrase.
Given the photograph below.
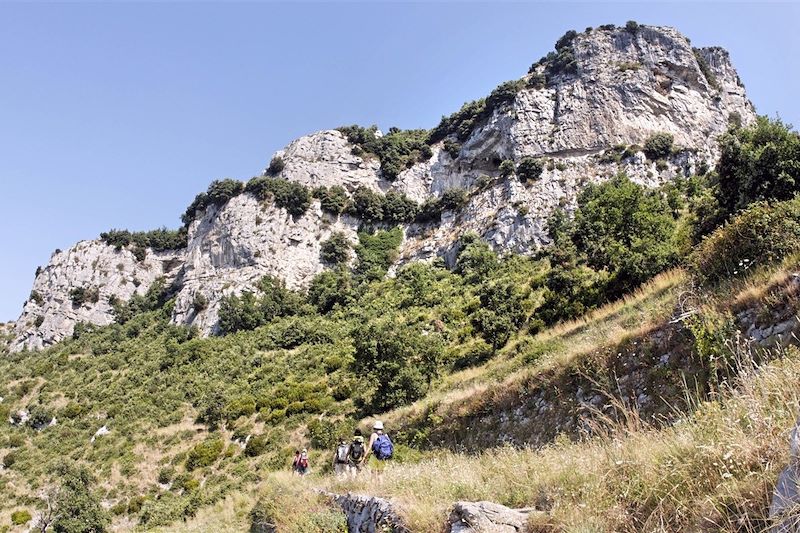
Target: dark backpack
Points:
(303, 462)
(383, 447)
(356, 451)
(341, 453)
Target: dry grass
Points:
(230, 514)
(712, 472)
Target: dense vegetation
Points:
(158, 240)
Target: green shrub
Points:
(158, 240)
(276, 166)
(166, 474)
(82, 295)
(20, 517)
(376, 252)
(218, 194)
(330, 289)
(501, 312)
(204, 453)
(76, 508)
(367, 205)
(396, 362)
(632, 26)
(249, 311)
(626, 230)
(290, 195)
(398, 208)
(244, 405)
(529, 168)
(336, 249)
(453, 148)
(453, 199)
(461, 123)
(15, 440)
(71, 410)
(256, 446)
(658, 146)
(163, 511)
(36, 297)
(761, 234)
(199, 302)
(507, 168)
(332, 199)
(9, 459)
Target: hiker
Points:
(380, 446)
(302, 463)
(341, 465)
(357, 452)
(296, 462)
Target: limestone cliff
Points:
(620, 87)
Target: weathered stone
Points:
(487, 517)
(785, 507)
(368, 514)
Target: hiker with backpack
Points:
(296, 462)
(300, 465)
(357, 452)
(380, 446)
(341, 463)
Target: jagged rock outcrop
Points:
(231, 248)
(368, 514)
(627, 85)
(80, 285)
(488, 517)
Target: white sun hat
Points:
(378, 425)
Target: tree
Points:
(70, 506)
(761, 162)
(330, 289)
(336, 249)
(625, 229)
(398, 362)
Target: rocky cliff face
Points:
(624, 87)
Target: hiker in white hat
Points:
(380, 446)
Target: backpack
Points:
(303, 462)
(341, 453)
(383, 447)
(356, 451)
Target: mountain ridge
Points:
(581, 114)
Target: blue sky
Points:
(116, 115)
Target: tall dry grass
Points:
(713, 471)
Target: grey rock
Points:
(487, 517)
(784, 509)
(368, 514)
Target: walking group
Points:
(351, 457)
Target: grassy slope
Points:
(713, 470)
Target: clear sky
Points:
(116, 115)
